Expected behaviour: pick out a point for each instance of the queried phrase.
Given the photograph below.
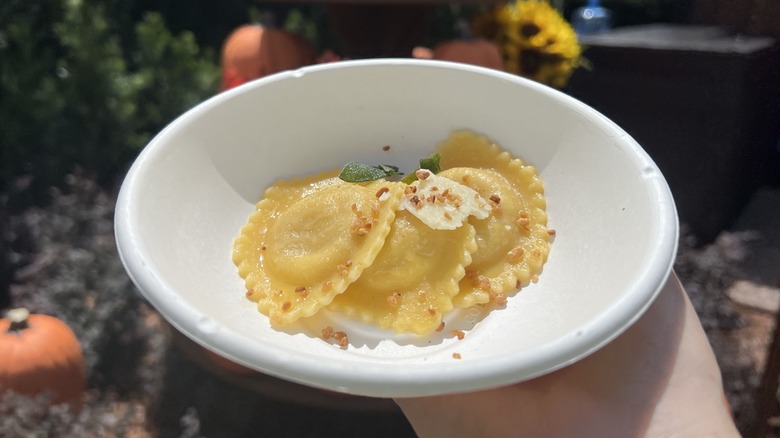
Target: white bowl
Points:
(194, 186)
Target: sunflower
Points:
(535, 41)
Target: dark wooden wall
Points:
(752, 17)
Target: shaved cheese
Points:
(442, 203)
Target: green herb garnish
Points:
(432, 163)
(358, 172)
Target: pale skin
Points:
(658, 379)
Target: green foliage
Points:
(172, 73)
(72, 96)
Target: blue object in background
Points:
(591, 19)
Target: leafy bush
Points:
(73, 93)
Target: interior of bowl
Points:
(194, 186)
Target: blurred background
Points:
(85, 84)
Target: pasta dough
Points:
(411, 283)
(513, 243)
(397, 255)
(309, 239)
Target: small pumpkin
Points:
(40, 353)
(252, 51)
(475, 51)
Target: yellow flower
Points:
(535, 41)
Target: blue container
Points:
(592, 19)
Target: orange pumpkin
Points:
(40, 353)
(477, 51)
(252, 51)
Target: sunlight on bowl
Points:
(193, 187)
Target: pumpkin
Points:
(40, 353)
(252, 51)
(476, 51)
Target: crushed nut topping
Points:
(393, 298)
(478, 281)
(341, 338)
(422, 174)
(515, 254)
(523, 222)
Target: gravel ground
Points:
(145, 380)
(734, 285)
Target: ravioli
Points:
(396, 255)
(513, 242)
(413, 280)
(309, 239)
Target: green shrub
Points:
(71, 95)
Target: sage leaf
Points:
(359, 172)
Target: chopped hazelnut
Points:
(515, 254)
(341, 338)
(393, 298)
(523, 222)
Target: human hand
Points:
(659, 378)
